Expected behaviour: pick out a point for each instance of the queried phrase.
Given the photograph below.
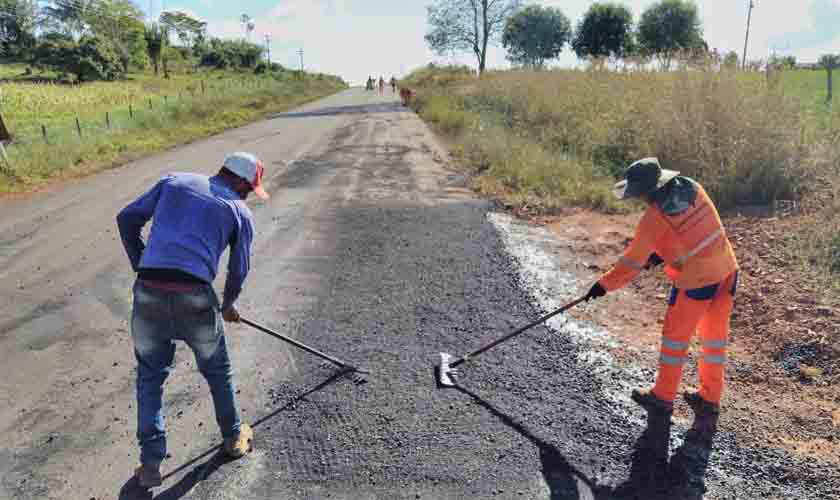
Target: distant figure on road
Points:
(195, 218)
(370, 83)
(681, 227)
(393, 84)
(381, 85)
(406, 95)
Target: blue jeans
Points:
(158, 319)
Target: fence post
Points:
(150, 103)
(44, 133)
(130, 112)
(165, 100)
(108, 120)
(78, 127)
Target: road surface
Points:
(370, 250)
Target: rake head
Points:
(354, 374)
(444, 373)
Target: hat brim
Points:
(620, 190)
(665, 177)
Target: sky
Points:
(357, 38)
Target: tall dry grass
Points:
(561, 137)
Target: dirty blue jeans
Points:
(160, 317)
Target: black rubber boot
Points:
(706, 417)
(647, 400)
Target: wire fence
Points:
(82, 127)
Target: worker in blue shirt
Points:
(195, 218)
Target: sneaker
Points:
(239, 446)
(700, 406)
(648, 400)
(148, 476)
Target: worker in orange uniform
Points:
(681, 227)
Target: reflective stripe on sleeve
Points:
(631, 263)
(699, 248)
(672, 360)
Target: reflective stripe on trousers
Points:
(708, 314)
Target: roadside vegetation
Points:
(754, 132)
(560, 138)
(88, 85)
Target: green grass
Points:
(561, 138)
(229, 99)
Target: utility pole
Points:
(268, 48)
(747, 38)
(301, 60)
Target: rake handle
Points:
(295, 343)
(518, 331)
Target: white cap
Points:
(250, 168)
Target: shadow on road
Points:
(356, 109)
(565, 482)
(651, 475)
(132, 491)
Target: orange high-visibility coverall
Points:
(700, 262)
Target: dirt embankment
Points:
(784, 371)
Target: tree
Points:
(606, 30)
(731, 60)
(536, 34)
(70, 16)
(189, 30)
(92, 58)
(467, 25)
(155, 42)
(669, 27)
(119, 22)
(18, 21)
(226, 53)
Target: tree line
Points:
(86, 40)
(667, 31)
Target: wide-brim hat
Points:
(643, 177)
(250, 168)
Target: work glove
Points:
(597, 291)
(653, 261)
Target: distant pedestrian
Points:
(381, 85)
(393, 84)
(681, 227)
(195, 218)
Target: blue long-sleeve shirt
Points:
(195, 218)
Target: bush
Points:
(261, 68)
(229, 53)
(92, 58)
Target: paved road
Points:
(370, 250)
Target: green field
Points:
(144, 114)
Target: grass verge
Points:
(234, 102)
(561, 138)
